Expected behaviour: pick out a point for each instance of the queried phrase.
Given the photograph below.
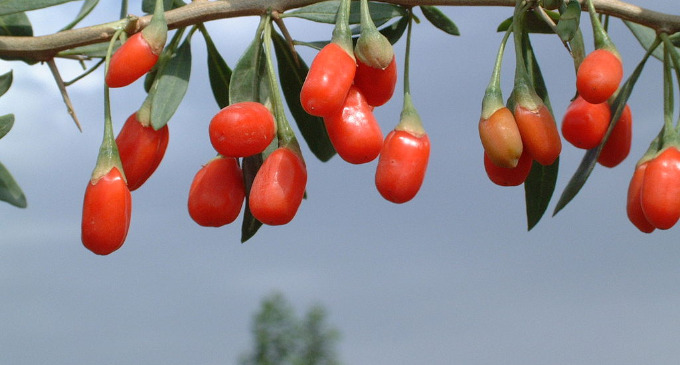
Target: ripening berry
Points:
(402, 165)
(141, 150)
(131, 61)
(539, 133)
(504, 176)
(617, 147)
(376, 84)
(660, 191)
(501, 139)
(599, 76)
(242, 129)
(585, 124)
(633, 204)
(328, 81)
(217, 193)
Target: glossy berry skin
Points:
(141, 150)
(353, 130)
(107, 208)
(501, 138)
(617, 147)
(539, 133)
(217, 193)
(131, 61)
(278, 187)
(402, 165)
(242, 129)
(585, 124)
(328, 81)
(376, 84)
(508, 176)
(660, 191)
(599, 76)
(633, 204)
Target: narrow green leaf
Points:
(590, 158)
(245, 78)
(646, 37)
(439, 19)
(172, 85)
(18, 6)
(97, 50)
(569, 21)
(292, 71)
(85, 10)
(250, 225)
(149, 5)
(5, 82)
(10, 190)
(16, 24)
(6, 123)
(533, 23)
(218, 71)
(394, 31)
(324, 12)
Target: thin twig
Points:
(64, 94)
(286, 34)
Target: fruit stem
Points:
(602, 40)
(156, 33)
(286, 136)
(342, 35)
(493, 96)
(108, 157)
(523, 91)
(409, 119)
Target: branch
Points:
(43, 48)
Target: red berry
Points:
(501, 138)
(508, 176)
(401, 166)
(217, 193)
(599, 76)
(106, 213)
(353, 130)
(376, 84)
(633, 204)
(617, 147)
(131, 61)
(328, 81)
(539, 133)
(660, 191)
(585, 124)
(278, 187)
(141, 150)
(242, 129)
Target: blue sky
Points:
(450, 277)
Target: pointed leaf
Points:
(218, 71)
(569, 21)
(394, 31)
(6, 123)
(245, 78)
(533, 23)
(293, 71)
(172, 85)
(5, 82)
(646, 37)
(97, 50)
(324, 12)
(439, 19)
(250, 225)
(87, 7)
(10, 190)
(590, 158)
(538, 190)
(16, 24)
(149, 5)
(18, 6)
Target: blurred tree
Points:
(281, 338)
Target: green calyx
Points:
(523, 92)
(409, 120)
(493, 96)
(602, 40)
(372, 49)
(156, 33)
(342, 35)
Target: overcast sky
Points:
(452, 277)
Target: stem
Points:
(667, 95)
(602, 40)
(493, 96)
(409, 119)
(342, 35)
(64, 94)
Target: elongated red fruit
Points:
(501, 138)
(278, 187)
(599, 76)
(217, 193)
(633, 204)
(512, 176)
(617, 147)
(585, 124)
(131, 61)
(660, 192)
(141, 150)
(107, 208)
(402, 165)
(328, 81)
(242, 129)
(539, 133)
(354, 131)
(376, 84)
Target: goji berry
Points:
(353, 129)
(376, 84)
(131, 61)
(402, 165)
(539, 133)
(584, 124)
(633, 204)
(617, 147)
(501, 138)
(328, 81)
(504, 176)
(598, 76)
(107, 208)
(660, 192)
(141, 150)
(242, 129)
(217, 193)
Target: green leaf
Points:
(324, 12)
(18, 6)
(10, 190)
(538, 190)
(293, 71)
(646, 37)
(590, 158)
(149, 5)
(5, 82)
(171, 86)
(85, 10)
(394, 31)
(569, 21)
(245, 78)
(533, 23)
(439, 19)
(218, 71)
(250, 225)
(97, 50)
(6, 123)
(16, 25)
